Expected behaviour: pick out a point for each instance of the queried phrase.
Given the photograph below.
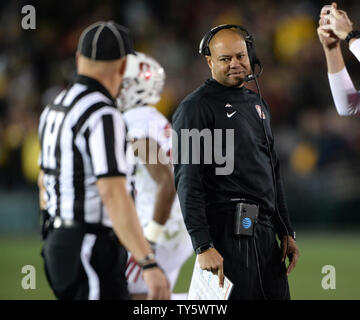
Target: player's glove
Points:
(133, 269)
(153, 231)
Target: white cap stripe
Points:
(95, 40)
(86, 31)
(111, 26)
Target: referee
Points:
(83, 179)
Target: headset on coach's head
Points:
(249, 40)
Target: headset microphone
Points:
(249, 77)
(253, 76)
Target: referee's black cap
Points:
(105, 40)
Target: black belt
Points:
(264, 218)
(61, 223)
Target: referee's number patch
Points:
(50, 138)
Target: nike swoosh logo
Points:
(231, 114)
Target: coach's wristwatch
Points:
(203, 248)
(293, 235)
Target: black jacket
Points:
(214, 106)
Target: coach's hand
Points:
(159, 287)
(292, 252)
(211, 260)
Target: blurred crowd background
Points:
(319, 150)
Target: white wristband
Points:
(153, 230)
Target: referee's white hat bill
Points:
(105, 40)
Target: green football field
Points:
(338, 249)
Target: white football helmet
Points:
(143, 82)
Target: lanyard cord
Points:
(273, 174)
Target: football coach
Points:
(233, 217)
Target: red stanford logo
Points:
(145, 71)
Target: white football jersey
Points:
(147, 122)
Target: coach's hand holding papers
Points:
(211, 260)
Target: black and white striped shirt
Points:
(82, 136)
